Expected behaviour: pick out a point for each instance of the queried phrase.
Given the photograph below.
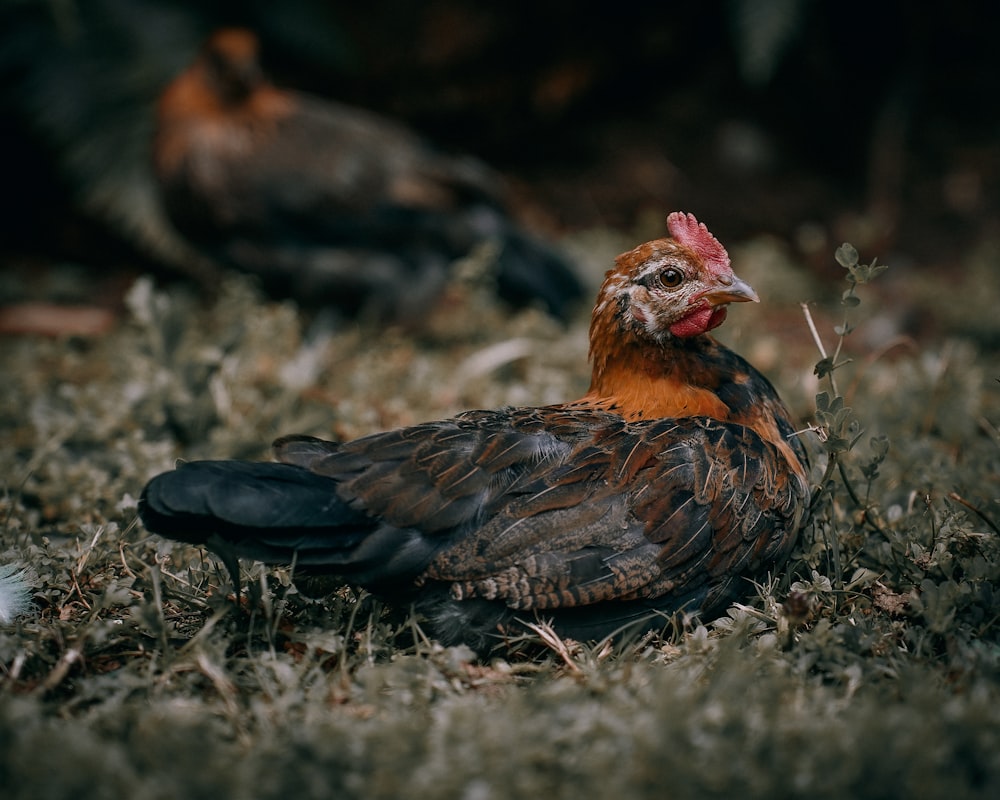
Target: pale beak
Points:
(731, 290)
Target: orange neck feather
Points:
(640, 380)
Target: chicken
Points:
(670, 485)
(328, 203)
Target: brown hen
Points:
(669, 486)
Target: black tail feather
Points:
(280, 508)
(280, 514)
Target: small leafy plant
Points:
(838, 428)
(897, 564)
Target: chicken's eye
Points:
(671, 277)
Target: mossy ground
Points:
(870, 666)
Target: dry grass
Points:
(870, 667)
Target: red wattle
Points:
(699, 321)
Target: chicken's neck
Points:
(688, 377)
(639, 380)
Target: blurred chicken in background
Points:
(331, 203)
(746, 111)
(84, 80)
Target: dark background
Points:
(817, 120)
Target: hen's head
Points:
(670, 287)
(229, 62)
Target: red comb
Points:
(695, 236)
